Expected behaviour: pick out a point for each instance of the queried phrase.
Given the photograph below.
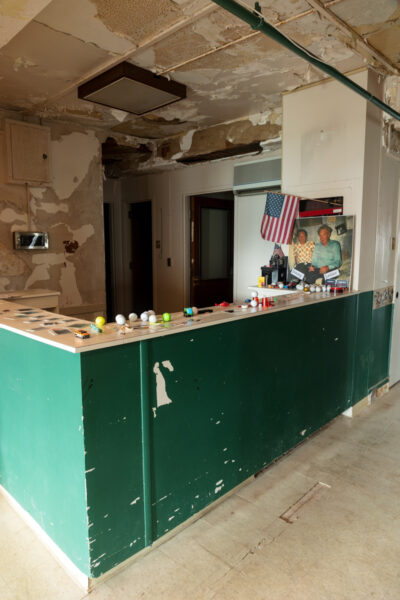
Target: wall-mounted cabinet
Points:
(28, 148)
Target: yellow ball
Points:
(99, 322)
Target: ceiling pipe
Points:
(257, 22)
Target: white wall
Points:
(331, 146)
(251, 250)
(170, 192)
(387, 221)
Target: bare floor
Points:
(343, 544)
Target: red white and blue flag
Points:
(278, 251)
(279, 215)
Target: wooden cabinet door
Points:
(28, 149)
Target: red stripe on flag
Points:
(290, 216)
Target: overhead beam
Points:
(14, 16)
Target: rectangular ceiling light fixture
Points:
(132, 89)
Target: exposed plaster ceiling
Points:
(48, 48)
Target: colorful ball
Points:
(100, 321)
(166, 317)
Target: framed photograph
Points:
(322, 250)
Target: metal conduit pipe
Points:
(257, 21)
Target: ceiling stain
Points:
(185, 43)
(155, 128)
(388, 42)
(221, 137)
(136, 19)
(13, 8)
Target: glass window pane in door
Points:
(214, 243)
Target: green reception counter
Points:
(109, 444)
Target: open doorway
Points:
(128, 252)
(211, 248)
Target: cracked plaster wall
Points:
(70, 209)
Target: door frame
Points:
(396, 301)
(121, 242)
(187, 241)
(196, 232)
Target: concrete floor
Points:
(345, 543)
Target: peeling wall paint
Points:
(161, 386)
(69, 166)
(70, 210)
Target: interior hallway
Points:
(345, 543)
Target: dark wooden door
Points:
(142, 257)
(211, 251)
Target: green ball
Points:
(166, 317)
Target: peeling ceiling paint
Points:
(246, 77)
(80, 21)
(135, 19)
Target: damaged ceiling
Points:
(48, 48)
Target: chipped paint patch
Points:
(10, 264)
(119, 115)
(4, 283)
(71, 156)
(161, 386)
(186, 140)
(90, 470)
(24, 62)
(8, 215)
(303, 432)
(218, 486)
(167, 364)
(134, 501)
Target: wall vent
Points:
(256, 176)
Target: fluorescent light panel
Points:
(132, 89)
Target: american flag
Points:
(279, 215)
(278, 251)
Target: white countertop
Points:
(13, 319)
(34, 293)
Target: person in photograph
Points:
(301, 252)
(326, 257)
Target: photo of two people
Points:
(322, 249)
